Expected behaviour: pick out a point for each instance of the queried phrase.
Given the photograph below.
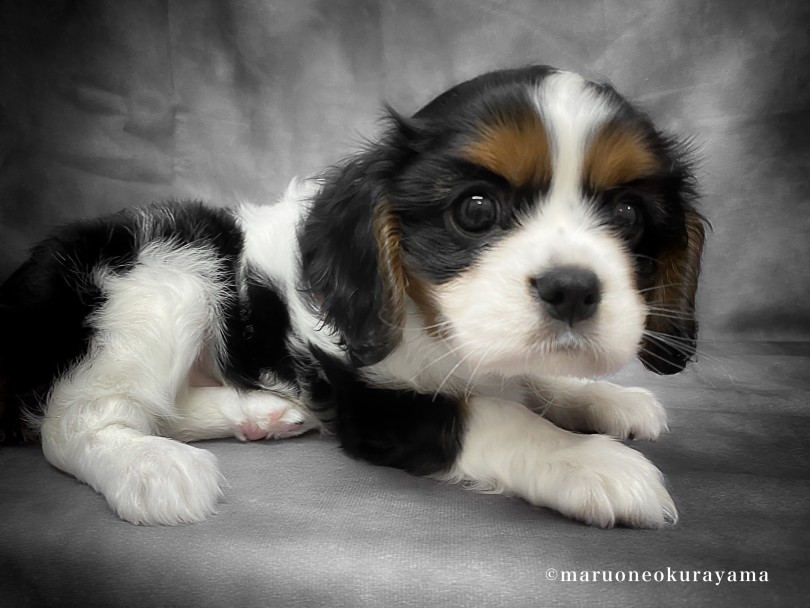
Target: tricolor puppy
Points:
(437, 301)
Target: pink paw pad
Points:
(274, 427)
(252, 431)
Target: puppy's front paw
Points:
(165, 482)
(604, 483)
(592, 478)
(625, 413)
(603, 407)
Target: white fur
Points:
(517, 337)
(221, 411)
(100, 416)
(571, 112)
(595, 479)
(597, 407)
(423, 363)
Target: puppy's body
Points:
(431, 301)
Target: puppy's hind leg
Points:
(101, 416)
(223, 411)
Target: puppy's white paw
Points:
(603, 483)
(161, 481)
(269, 416)
(603, 407)
(625, 413)
(596, 479)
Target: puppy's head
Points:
(536, 221)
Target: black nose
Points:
(570, 293)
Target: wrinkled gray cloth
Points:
(105, 105)
(303, 525)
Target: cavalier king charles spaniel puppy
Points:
(441, 302)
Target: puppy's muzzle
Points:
(568, 293)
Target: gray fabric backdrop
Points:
(110, 104)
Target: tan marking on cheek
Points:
(617, 156)
(398, 280)
(515, 147)
(389, 258)
(423, 297)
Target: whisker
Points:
(668, 336)
(674, 341)
(420, 328)
(665, 286)
(657, 306)
(449, 374)
(452, 351)
(685, 346)
(468, 389)
(650, 364)
(665, 315)
(544, 402)
(671, 313)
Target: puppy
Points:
(438, 301)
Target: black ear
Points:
(670, 338)
(351, 255)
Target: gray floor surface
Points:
(303, 525)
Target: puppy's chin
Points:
(561, 353)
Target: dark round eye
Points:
(476, 214)
(628, 217)
(626, 214)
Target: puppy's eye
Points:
(627, 217)
(476, 214)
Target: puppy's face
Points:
(538, 222)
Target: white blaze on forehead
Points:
(494, 318)
(571, 111)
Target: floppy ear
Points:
(670, 338)
(352, 256)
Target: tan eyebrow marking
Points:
(618, 155)
(515, 147)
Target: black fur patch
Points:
(256, 336)
(44, 305)
(418, 433)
